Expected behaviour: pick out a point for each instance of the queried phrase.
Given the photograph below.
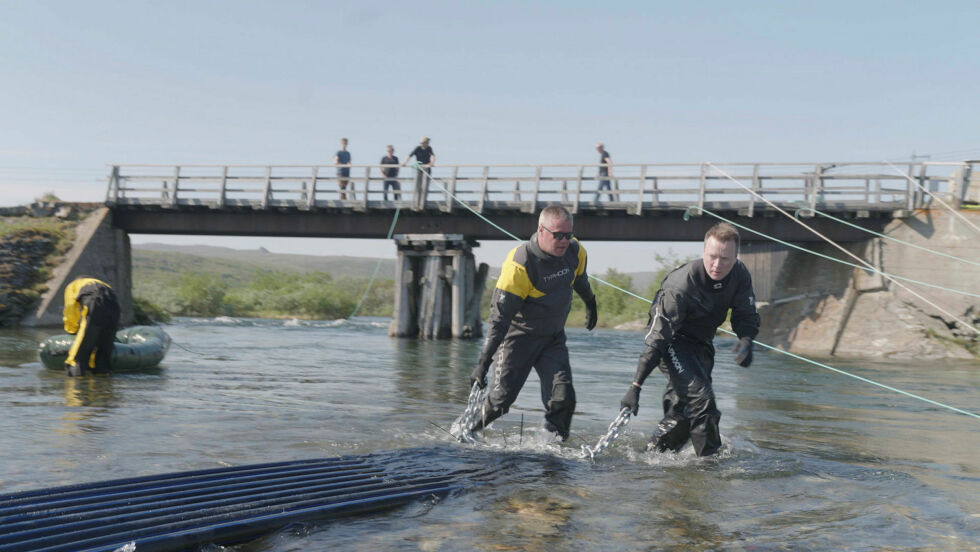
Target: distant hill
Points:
(262, 259)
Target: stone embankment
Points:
(23, 253)
(828, 309)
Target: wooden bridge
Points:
(644, 202)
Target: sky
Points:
(88, 84)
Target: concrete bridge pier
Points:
(438, 287)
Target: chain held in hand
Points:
(615, 428)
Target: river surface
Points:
(812, 460)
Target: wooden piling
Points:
(437, 287)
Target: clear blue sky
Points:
(83, 84)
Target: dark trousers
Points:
(604, 184)
(690, 410)
(342, 176)
(395, 187)
(548, 355)
(91, 337)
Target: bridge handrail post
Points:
(367, 187)
(311, 198)
(452, 190)
(173, 197)
(112, 194)
(922, 176)
(483, 189)
(914, 198)
(808, 196)
(224, 183)
(537, 189)
(642, 186)
(578, 190)
(702, 185)
(962, 180)
(818, 186)
(268, 187)
(756, 187)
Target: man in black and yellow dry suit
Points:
(527, 322)
(91, 312)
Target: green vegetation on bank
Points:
(181, 284)
(315, 295)
(616, 307)
(30, 248)
(60, 230)
(254, 284)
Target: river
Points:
(812, 460)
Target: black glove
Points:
(631, 400)
(591, 313)
(743, 352)
(479, 374)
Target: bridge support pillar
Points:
(438, 287)
(100, 250)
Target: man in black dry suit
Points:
(692, 303)
(527, 322)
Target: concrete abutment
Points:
(101, 251)
(813, 306)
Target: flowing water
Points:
(812, 460)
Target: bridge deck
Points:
(642, 202)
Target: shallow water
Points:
(812, 460)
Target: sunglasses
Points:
(559, 235)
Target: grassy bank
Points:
(30, 248)
(189, 285)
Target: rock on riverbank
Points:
(22, 268)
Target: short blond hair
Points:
(554, 212)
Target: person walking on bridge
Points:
(529, 307)
(91, 314)
(691, 304)
(342, 160)
(389, 169)
(605, 164)
(426, 158)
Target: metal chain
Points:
(462, 428)
(615, 428)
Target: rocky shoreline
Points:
(33, 239)
(22, 259)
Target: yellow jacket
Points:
(75, 311)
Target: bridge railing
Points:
(635, 188)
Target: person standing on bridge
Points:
(91, 314)
(528, 311)
(342, 161)
(691, 304)
(605, 164)
(426, 158)
(391, 173)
